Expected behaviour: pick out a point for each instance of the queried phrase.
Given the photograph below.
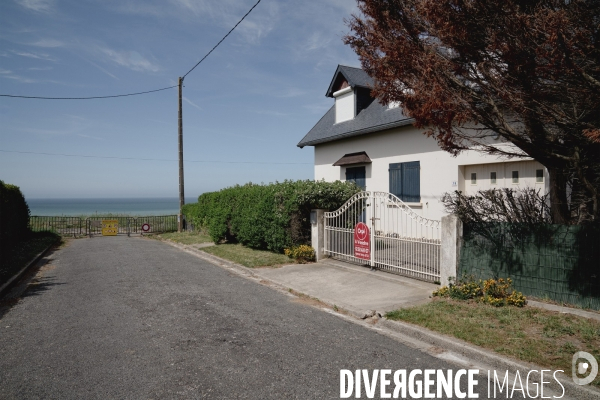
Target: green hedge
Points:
(14, 214)
(273, 216)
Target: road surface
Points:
(118, 317)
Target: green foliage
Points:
(273, 217)
(14, 214)
(302, 253)
(19, 254)
(496, 292)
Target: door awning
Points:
(353, 158)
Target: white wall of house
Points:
(527, 175)
(345, 105)
(440, 172)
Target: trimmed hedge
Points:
(14, 214)
(274, 216)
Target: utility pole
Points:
(181, 196)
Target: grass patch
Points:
(20, 254)
(246, 256)
(184, 237)
(545, 338)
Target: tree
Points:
(480, 74)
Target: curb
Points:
(483, 356)
(565, 310)
(6, 286)
(453, 350)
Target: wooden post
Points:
(181, 191)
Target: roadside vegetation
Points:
(545, 338)
(248, 257)
(22, 252)
(196, 237)
(18, 245)
(266, 217)
(234, 252)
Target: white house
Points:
(378, 147)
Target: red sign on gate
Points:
(362, 241)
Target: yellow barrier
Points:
(110, 227)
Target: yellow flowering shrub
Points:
(496, 292)
(302, 253)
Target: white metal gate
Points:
(401, 241)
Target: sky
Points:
(244, 108)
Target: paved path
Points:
(351, 287)
(136, 318)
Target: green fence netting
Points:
(555, 262)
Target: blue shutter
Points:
(411, 182)
(357, 175)
(405, 181)
(396, 179)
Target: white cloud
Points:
(271, 113)
(38, 56)
(317, 40)
(291, 92)
(37, 5)
(319, 107)
(4, 73)
(90, 136)
(190, 103)
(129, 59)
(48, 43)
(224, 13)
(65, 125)
(101, 69)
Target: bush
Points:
(302, 253)
(526, 206)
(14, 214)
(273, 217)
(496, 292)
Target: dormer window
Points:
(344, 104)
(351, 89)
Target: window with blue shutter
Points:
(405, 181)
(357, 175)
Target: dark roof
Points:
(353, 158)
(375, 117)
(354, 76)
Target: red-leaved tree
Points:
(521, 72)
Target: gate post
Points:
(317, 233)
(450, 252)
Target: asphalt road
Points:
(119, 317)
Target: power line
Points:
(86, 98)
(137, 93)
(224, 37)
(152, 159)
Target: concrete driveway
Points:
(351, 287)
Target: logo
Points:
(580, 367)
(361, 231)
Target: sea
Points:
(91, 207)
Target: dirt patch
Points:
(47, 267)
(306, 299)
(435, 350)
